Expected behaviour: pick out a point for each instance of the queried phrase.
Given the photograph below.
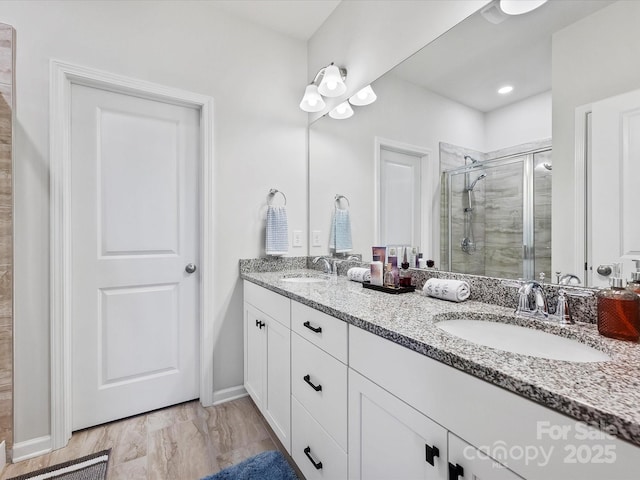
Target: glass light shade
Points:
(342, 111)
(366, 96)
(312, 101)
(332, 84)
(518, 7)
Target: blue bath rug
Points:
(264, 466)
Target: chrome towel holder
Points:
(339, 197)
(272, 194)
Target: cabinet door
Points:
(388, 439)
(254, 353)
(467, 462)
(276, 405)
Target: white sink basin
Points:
(522, 340)
(304, 278)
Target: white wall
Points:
(260, 142)
(341, 156)
(369, 37)
(522, 122)
(607, 65)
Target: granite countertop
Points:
(603, 394)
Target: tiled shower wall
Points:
(7, 42)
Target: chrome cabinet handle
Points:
(190, 268)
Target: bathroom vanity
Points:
(360, 384)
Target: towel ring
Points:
(272, 193)
(339, 197)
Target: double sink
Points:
(501, 335)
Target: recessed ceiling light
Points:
(506, 89)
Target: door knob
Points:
(604, 270)
(190, 268)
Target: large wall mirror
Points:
(484, 183)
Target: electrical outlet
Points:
(297, 238)
(315, 238)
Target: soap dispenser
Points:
(634, 284)
(618, 309)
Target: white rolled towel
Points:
(358, 274)
(453, 290)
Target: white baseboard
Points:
(228, 394)
(31, 448)
(3, 455)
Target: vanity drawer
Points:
(317, 455)
(271, 303)
(325, 331)
(319, 383)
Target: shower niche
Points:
(496, 211)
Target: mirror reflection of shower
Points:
(468, 244)
(496, 210)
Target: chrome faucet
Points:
(330, 265)
(540, 309)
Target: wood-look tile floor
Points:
(183, 442)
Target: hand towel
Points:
(277, 242)
(340, 240)
(453, 290)
(358, 274)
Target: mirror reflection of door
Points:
(615, 171)
(400, 198)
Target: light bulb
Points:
(332, 84)
(518, 7)
(342, 111)
(364, 96)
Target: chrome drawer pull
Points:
(307, 452)
(313, 329)
(317, 388)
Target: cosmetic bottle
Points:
(618, 309)
(405, 274)
(389, 279)
(634, 284)
(376, 271)
(393, 261)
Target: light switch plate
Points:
(297, 238)
(315, 238)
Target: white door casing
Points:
(615, 171)
(134, 228)
(426, 169)
(63, 77)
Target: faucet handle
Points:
(563, 313)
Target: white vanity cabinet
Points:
(466, 461)
(389, 439)
(484, 422)
(319, 393)
(267, 357)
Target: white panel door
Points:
(134, 209)
(399, 198)
(615, 176)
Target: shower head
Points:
(470, 159)
(472, 186)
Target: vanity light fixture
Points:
(518, 7)
(312, 100)
(366, 96)
(329, 81)
(506, 89)
(342, 111)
